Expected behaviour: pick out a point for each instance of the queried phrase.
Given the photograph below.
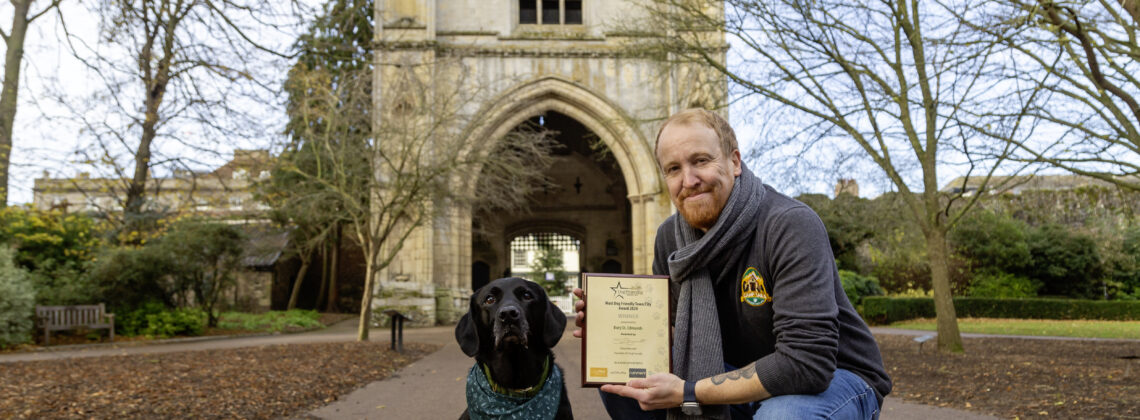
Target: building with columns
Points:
(564, 65)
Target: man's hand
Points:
(661, 390)
(579, 312)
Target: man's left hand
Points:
(662, 390)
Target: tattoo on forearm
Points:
(746, 372)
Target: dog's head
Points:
(509, 314)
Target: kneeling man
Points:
(762, 328)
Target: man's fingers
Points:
(578, 292)
(625, 391)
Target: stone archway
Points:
(588, 201)
(631, 151)
(437, 265)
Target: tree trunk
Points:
(949, 338)
(136, 190)
(12, 60)
(334, 271)
(305, 262)
(366, 300)
(156, 80)
(324, 275)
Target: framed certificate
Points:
(627, 332)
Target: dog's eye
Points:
(527, 296)
(490, 299)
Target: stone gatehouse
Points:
(562, 64)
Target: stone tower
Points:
(563, 64)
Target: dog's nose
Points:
(509, 313)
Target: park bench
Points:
(61, 318)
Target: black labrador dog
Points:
(509, 329)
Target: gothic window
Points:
(550, 12)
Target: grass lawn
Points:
(1044, 327)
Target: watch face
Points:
(691, 409)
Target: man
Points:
(762, 328)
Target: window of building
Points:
(519, 258)
(550, 12)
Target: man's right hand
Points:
(579, 312)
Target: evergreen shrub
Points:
(1067, 262)
(996, 284)
(858, 286)
(17, 302)
(157, 320)
(885, 310)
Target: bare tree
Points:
(22, 18)
(190, 73)
(414, 152)
(890, 82)
(1084, 58)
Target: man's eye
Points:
(489, 300)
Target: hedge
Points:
(885, 310)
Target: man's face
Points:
(699, 174)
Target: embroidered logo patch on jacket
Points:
(752, 290)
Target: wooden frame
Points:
(663, 290)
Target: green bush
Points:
(996, 284)
(1066, 262)
(156, 320)
(17, 301)
(182, 321)
(64, 284)
(849, 221)
(127, 278)
(204, 255)
(991, 242)
(1123, 265)
(857, 286)
(885, 310)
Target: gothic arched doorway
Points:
(587, 204)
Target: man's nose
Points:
(509, 313)
(689, 178)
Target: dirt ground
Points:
(249, 383)
(1019, 378)
(1009, 378)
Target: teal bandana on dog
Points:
(485, 402)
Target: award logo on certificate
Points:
(627, 332)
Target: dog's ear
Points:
(466, 332)
(554, 326)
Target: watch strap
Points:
(690, 391)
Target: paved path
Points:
(431, 388)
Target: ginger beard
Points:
(701, 206)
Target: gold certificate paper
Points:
(627, 333)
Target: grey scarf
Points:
(697, 351)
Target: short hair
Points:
(709, 119)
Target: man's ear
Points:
(736, 163)
(466, 332)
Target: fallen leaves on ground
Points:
(248, 383)
(1020, 378)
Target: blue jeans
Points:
(847, 397)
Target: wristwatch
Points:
(690, 407)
